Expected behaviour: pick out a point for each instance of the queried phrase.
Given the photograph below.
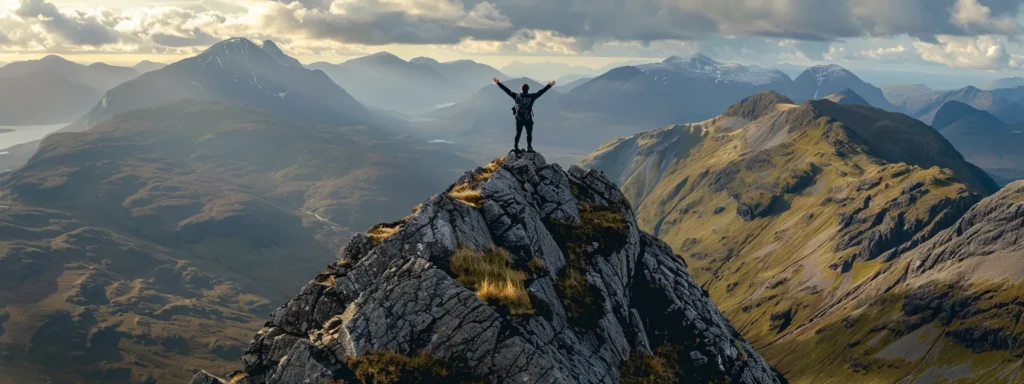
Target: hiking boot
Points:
(529, 150)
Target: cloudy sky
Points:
(965, 35)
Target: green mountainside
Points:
(803, 222)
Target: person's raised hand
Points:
(495, 80)
(552, 83)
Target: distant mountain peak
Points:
(271, 48)
(693, 57)
(829, 71)
(828, 67)
(425, 60)
(847, 96)
(270, 45)
(757, 105)
(954, 111)
(702, 66)
(695, 60)
(232, 46)
(236, 40)
(55, 59)
(385, 55)
(236, 71)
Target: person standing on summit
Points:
(523, 111)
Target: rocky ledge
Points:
(520, 272)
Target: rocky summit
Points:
(519, 272)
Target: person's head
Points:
(526, 88)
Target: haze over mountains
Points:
(154, 243)
(148, 66)
(984, 139)
(235, 71)
(385, 81)
(53, 90)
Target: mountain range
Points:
(147, 66)
(630, 99)
(1006, 82)
(386, 81)
(53, 90)
(236, 71)
(1006, 104)
(151, 245)
(983, 139)
(832, 236)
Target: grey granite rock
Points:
(398, 295)
(993, 225)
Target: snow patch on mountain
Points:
(703, 67)
(827, 73)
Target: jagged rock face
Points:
(399, 295)
(993, 226)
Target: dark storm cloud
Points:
(80, 30)
(381, 22)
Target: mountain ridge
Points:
(794, 217)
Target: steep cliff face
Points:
(521, 272)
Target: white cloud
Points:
(984, 52)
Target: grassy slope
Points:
(812, 308)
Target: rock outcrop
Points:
(994, 226)
(599, 301)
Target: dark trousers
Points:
(528, 124)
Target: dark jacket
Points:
(523, 110)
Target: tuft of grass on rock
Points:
(381, 232)
(469, 191)
(494, 278)
(237, 378)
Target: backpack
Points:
(523, 110)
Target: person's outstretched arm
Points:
(545, 89)
(504, 88)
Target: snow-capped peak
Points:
(235, 46)
(704, 67)
(828, 71)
